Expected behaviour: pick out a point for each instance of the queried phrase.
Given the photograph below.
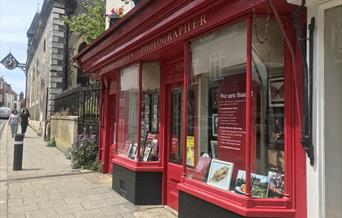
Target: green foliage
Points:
(84, 152)
(90, 23)
(52, 142)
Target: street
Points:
(48, 187)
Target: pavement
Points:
(48, 186)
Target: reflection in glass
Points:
(128, 112)
(268, 112)
(217, 91)
(175, 152)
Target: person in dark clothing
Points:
(24, 115)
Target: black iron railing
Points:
(83, 102)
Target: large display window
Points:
(217, 92)
(128, 112)
(138, 126)
(228, 99)
(150, 104)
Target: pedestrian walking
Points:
(13, 121)
(24, 115)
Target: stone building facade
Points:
(51, 47)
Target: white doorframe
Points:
(316, 174)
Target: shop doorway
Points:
(174, 143)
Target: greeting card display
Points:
(151, 147)
(220, 174)
(259, 184)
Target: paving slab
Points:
(48, 186)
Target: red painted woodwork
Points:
(112, 131)
(119, 48)
(185, 103)
(153, 19)
(173, 170)
(248, 106)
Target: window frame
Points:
(245, 204)
(138, 164)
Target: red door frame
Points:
(172, 170)
(112, 115)
(106, 126)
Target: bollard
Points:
(18, 152)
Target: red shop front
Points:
(201, 107)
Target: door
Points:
(174, 144)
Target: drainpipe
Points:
(306, 139)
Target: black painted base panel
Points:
(190, 207)
(140, 188)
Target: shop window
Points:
(216, 111)
(128, 124)
(149, 142)
(268, 112)
(128, 112)
(218, 92)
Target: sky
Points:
(15, 19)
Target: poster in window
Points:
(276, 92)
(231, 122)
(220, 174)
(190, 153)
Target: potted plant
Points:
(115, 15)
(128, 1)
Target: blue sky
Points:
(15, 19)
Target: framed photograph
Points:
(276, 184)
(146, 153)
(259, 184)
(276, 92)
(214, 123)
(220, 174)
(133, 151)
(213, 146)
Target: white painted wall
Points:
(319, 176)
